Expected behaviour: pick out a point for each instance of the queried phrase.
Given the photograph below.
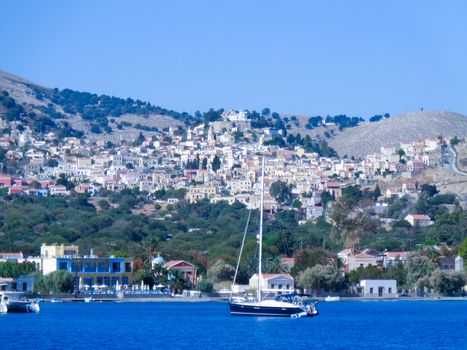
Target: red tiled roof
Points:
(365, 256)
(181, 263)
(288, 261)
(272, 275)
(420, 217)
(10, 255)
(396, 254)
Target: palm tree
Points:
(149, 247)
(176, 280)
(161, 273)
(273, 265)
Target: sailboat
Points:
(288, 305)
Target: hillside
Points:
(74, 112)
(368, 137)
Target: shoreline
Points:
(184, 299)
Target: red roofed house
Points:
(418, 220)
(287, 263)
(15, 190)
(4, 142)
(274, 282)
(82, 188)
(188, 270)
(10, 256)
(6, 180)
(366, 258)
(334, 188)
(393, 258)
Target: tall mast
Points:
(260, 236)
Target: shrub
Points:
(205, 285)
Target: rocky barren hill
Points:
(42, 100)
(368, 137)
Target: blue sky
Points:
(298, 57)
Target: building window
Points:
(280, 286)
(116, 267)
(62, 266)
(74, 267)
(127, 267)
(272, 286)
(86, 267)
(125, 280)
(371, 290)
(389, 290)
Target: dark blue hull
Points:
(253, 310)
(19, 307)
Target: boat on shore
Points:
(12, 302)
(284, 305)
(332, 299)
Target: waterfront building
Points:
(188, 270)
(88, 270)
(273, 282)
(25, 283)
(92, 270)
(378, 288)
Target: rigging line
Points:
(241, 248)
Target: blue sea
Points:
(175, 325)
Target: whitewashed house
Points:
(378, 288)
(273, 282)
(392, 258)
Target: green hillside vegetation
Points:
(98, 108)
(43, 120)
(205, 233)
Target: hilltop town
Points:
(219, 161)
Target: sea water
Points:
(208, 325)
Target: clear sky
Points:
(298, 57)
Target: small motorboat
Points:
(15, 302)
(332, 299)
